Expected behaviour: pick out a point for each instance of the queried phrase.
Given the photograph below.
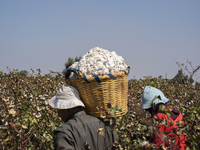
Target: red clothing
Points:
(179, 140)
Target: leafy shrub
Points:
(26, 121)
(186, 98)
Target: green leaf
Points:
(186, 148)
(49, 137)
(182, 128)
(162, 109)
(116, 107)
(164, 122)
(166, 133)
(7, 139)
(34, 121)
(196, 115)
(52, 125)
(192, 138)
(113, 112)
(120, 147)
(120, 109)
(143, 124)
(168, 113)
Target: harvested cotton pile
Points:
(99, 61)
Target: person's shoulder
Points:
(87, 119)
(90, 117)
(76, 123)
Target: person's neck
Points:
(72, 111)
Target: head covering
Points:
(67, 97)
(149, 94)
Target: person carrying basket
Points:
(79, 131)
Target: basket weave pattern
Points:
(95, 94)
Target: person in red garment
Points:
(153, 100)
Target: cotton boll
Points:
(93, 54)
(81, 66)
(95, 73)
(92, 70)
(83, 72)
(89, 70)
(113, 53)
(118, 60)
(82, 61)
(87, 65)
(106, 56)
(75, 64)
(107, 65)
(95, 49)
(121, 67)
(91, 60)
(115, 69)
(120, 57)
(84, 57)
(116, 63)
(109, 61)
(100, 65)
(105, 71)
(99, 72)
(88, 61)
(99, 58)
(99, 51)
(83, 69)
(95, 67)
(110, 64)
(73, 76)
(111, 71)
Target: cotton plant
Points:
(99, 61)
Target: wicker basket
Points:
(96, 92)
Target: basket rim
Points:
(99, 77)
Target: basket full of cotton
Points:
(101, 77)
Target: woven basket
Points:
(97, 91)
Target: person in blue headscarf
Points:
(155, 102)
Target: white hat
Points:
(67, 97)
(149, 94)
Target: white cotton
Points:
(95, 73)
(110, 65)
(105, 71)
(113, 53)
(99, 61)
(115, 70)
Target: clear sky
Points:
(151, 35)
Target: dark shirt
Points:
(81, 128)
(175, 112)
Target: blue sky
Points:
(150, 35)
